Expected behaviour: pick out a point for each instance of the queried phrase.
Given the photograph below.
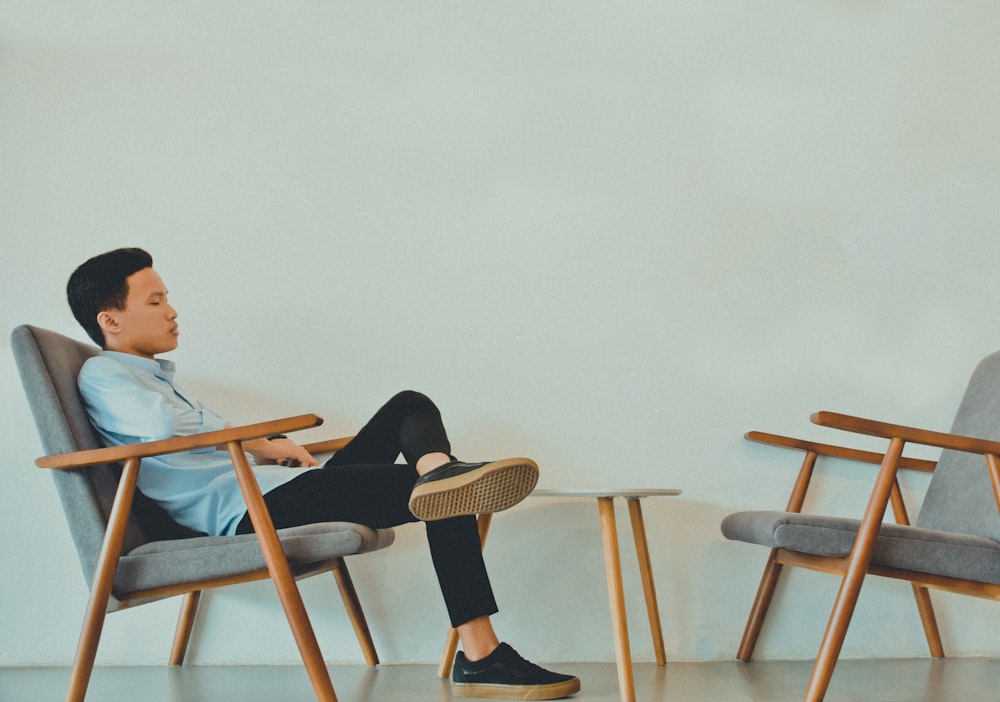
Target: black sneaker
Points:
(504, 674)
(472, 488)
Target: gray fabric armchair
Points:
(132, 552)
(954, 546)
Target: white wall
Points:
(613, 236)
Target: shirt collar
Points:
(160, 367)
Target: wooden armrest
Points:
(328, 446)
(113, 454)
(885, 430)
(835, 451)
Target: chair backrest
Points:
(960, 496)
(49, 364)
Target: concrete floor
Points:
(958, 680)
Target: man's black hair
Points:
(101, 284)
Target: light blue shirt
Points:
(132, 399)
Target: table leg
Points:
(451, 642)
(616, 597)
(646, 570)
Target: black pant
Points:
(362, 484)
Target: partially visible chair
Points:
(954, 546)
(132, 552)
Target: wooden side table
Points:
(613, 571)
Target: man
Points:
(131, 396)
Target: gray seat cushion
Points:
(910, 548)
(164, 563)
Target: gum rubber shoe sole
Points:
(552, 691)
(493, 487)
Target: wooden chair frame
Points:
(857, 564)
(277, 566)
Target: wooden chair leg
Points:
(761, 603)
(772, 571)
(104, 578)
(281, 574)
(185, 625)
(854, 576)
(86, 651)
(833, 639)
(928, 620)
(357, 616)
(920, 594)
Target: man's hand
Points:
(282, 452)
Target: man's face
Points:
(147, 326)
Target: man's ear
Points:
(108, 323)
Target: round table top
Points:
(606, 492)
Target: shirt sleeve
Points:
(130, 409)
